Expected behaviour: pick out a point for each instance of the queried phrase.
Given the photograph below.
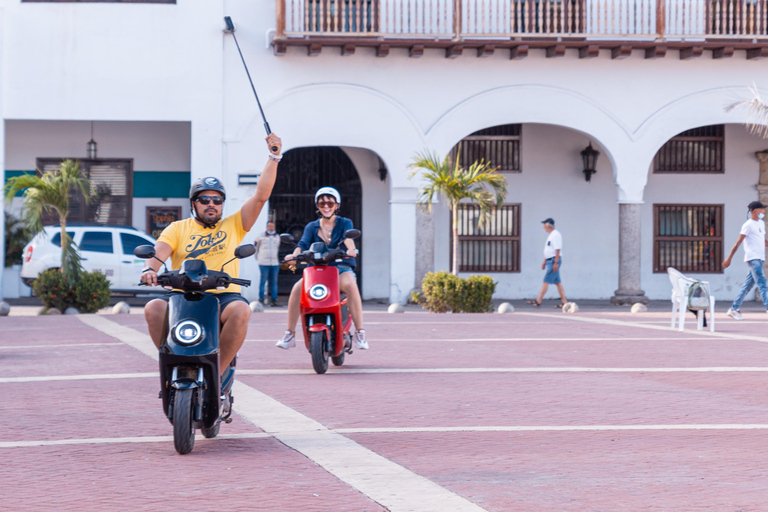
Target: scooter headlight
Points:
(318, 292)
(188, 332)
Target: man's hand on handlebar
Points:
(149, 278)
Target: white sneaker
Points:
(287, 341)
(735, 314)
(360, 342)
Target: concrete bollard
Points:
(121, 308)
(506, 307)
(638, 307)
(257, 307)
(5, 308)
(570, 307)
(71, 311)
(395, 307)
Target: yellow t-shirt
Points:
(189, 240)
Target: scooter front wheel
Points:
(319, 356)
(183, 429)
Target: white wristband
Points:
(275, 158)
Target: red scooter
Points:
(325, 317)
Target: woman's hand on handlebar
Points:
(149, 278)
(352, 253)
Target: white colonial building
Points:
(356, 88)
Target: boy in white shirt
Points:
(753, 235)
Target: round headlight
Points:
(318, 292)
(188, 332)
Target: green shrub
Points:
(440, 292)
(475, 294)
(443, 292)
(54, 289)
(89, 294)
(92, 292)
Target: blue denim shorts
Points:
(553, 276)
(343, 269)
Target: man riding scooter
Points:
(328, 229)
(209, 237)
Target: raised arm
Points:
(253, 205)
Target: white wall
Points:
(145, 62)
(552, 184)
(375, 251)
(154, 146)
(735, 189)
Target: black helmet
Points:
(202, 184)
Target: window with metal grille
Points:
(700, 150)
(493, 248)
(688, 237)
(112, 185)
(499, 145)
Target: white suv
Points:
(104, 248)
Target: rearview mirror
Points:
(144, 251)
(351, 234)
(287, 238)
(243, 251)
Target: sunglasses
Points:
(206, 200)
(322, 204)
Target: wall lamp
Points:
(589, 158)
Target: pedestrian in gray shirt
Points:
(267, 245)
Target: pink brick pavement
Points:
(634, 470)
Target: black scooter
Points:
(194, 395)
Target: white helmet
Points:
(328, 191)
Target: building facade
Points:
(356, 88)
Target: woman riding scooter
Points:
(329, 229)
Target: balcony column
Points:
(629, 291)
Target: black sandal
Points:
(560, 306)
(534, 303)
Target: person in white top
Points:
(553, 260)
(753, 235)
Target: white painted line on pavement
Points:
(385, 482)
(97, 376)
(443, 340)
(554, 369)
(119, 440)
(342, 371)
(556, 428)
(138, 340)
(16, 347)
(623, 323)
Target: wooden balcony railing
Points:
(505, 19)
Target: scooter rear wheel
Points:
(319, 356)
(338, 360)
(183, 429)
(210, 433)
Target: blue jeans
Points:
(553, 276)
(755, 276)
(268, 272)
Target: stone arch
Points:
(339, 114)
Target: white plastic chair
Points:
(680, 286)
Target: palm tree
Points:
(757, 112)
(50, 193)
(456, 183)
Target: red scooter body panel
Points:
(327, 276)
